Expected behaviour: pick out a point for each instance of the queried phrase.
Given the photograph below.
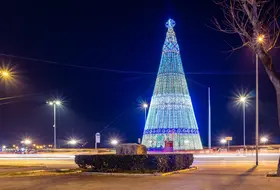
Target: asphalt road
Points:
(67, 161)
(229, 171)
(243, 176)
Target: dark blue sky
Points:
(127, 36)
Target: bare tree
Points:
(257, 24)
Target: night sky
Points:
(101, 58)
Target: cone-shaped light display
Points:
(171, 116)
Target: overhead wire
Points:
(118, 70)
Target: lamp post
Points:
(54, 103)
(243, 100)
(257, 110)
(260, 40)
(145, 106)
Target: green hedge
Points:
(134, 163)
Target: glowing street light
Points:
(264, 140)
(5, 74)
(242, 99)
(260, 39)
(4, 147)
(72, 142)
(26, 141)
(223, 141)
(8, 74)
(54, 103)
(145, 105)
(114, 142)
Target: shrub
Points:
(135, 163)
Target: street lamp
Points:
(114, 142)
(145, 106)
(54, 103)
(243, 101)
(5, 74)
(264, 140)
(73, 142)
(260, 40)
(27, 141)
(223, 141)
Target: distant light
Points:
(264, 139)
(51, 103)
(5, 74)
(260, 38)
(22, 149)
(223, 141)
(73, 142)
(54, 102)
(186, 141)
(58, 102)
(114, 142)
(3, 147)
(242, 99)
(27, 141)
(145, 105)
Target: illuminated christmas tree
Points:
(171, 115)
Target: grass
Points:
(41, 173)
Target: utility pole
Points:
(257, 110)
(54, 126)
(209, 119)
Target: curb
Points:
(132, 174)
(179, 171)
(117, 174)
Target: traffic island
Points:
(156, 165)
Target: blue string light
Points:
(171, 116)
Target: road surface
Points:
(67, 161)
(244, 176)
(224, 171)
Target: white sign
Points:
(97, 138)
